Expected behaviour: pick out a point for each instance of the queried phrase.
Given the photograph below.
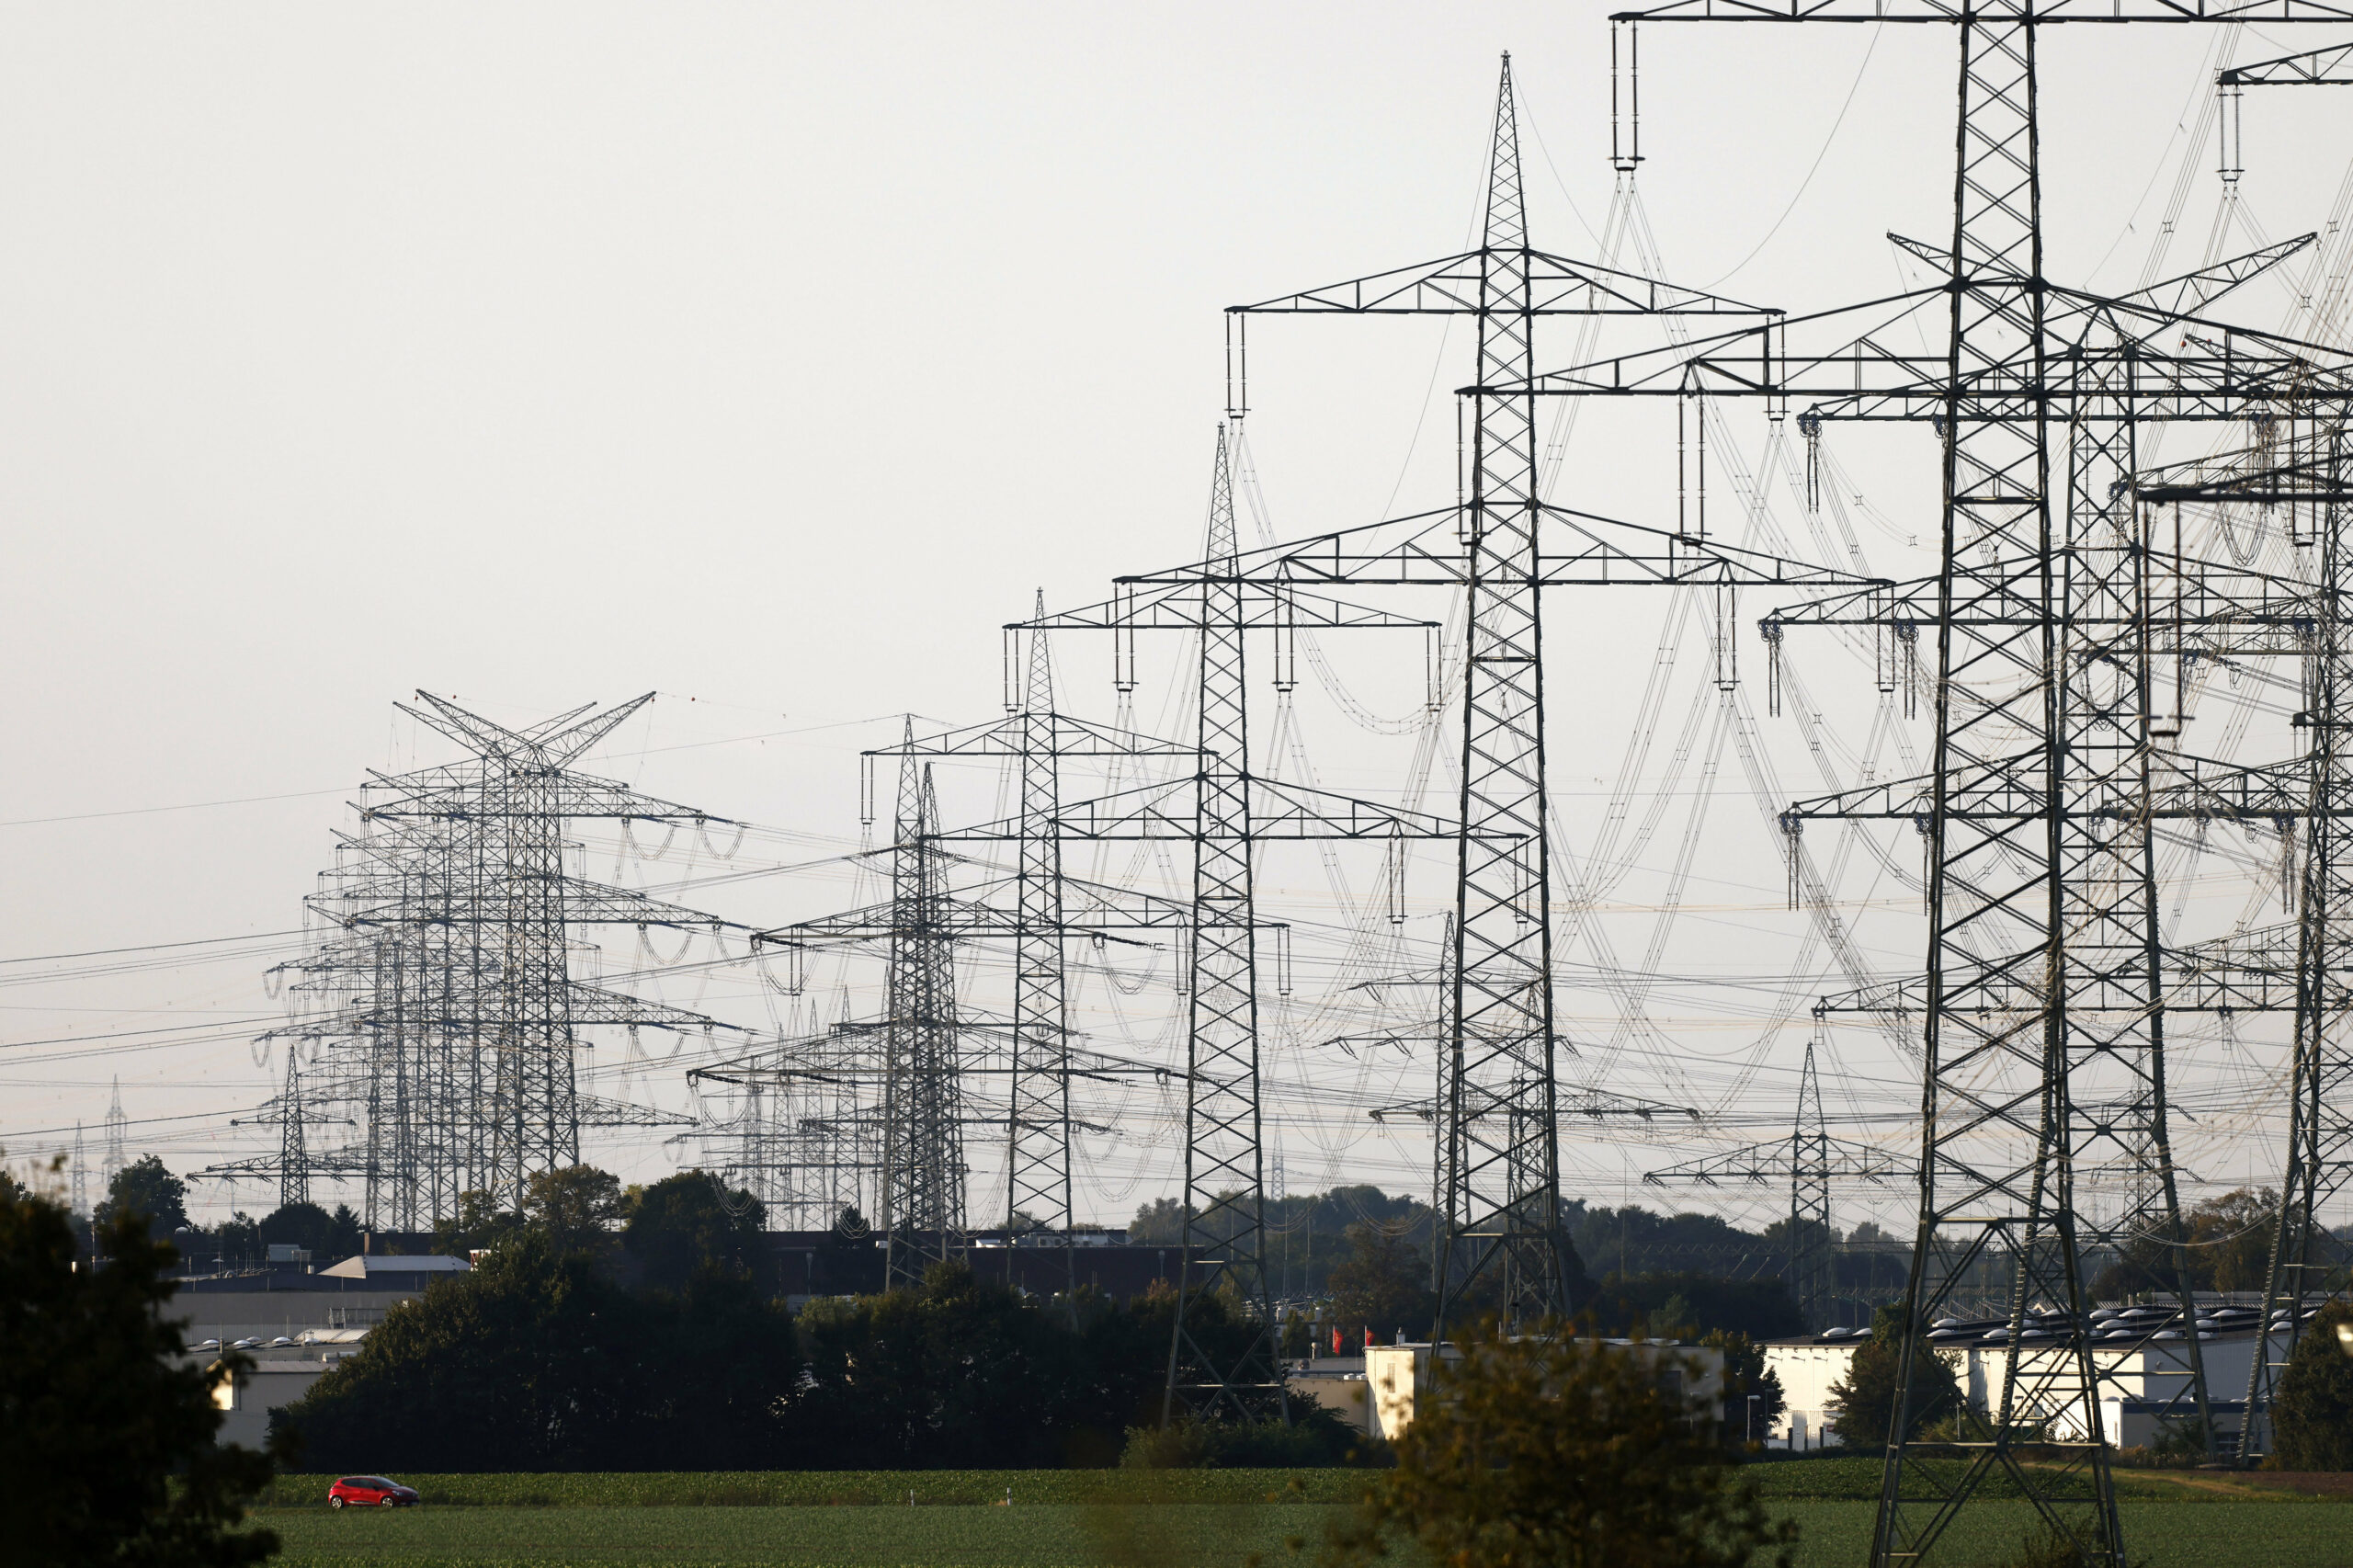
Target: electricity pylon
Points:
(2008, 856)
(1809, 1160)
(448, 1016)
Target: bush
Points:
(1315, 1439)
(2311, 1415)
(1863, 1404)
(1556, 1450)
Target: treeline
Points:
(540, 1359)
(1355, 1258)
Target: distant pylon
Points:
(1811, 1237)
(116, 1126)
(81, 1175)
(293, 1150)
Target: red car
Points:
(371, 1492)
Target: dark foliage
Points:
(2312, 1413)
(1383, 1285)
(1544, 1449)
(575, 1207)
(1696, 1304)
(108, 1451)
(1863, 1405)
(535, 1360)
(328, 1238)
(146, 1188)
(1746, 1375)
(2229, 1249)
(1316, 1437)
(963, 1373)
(540, 1360)
(683, 1227)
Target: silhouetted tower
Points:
(118, 1125)
(293, 1143)
(1224, 1198)
(1812, 1261)
(2041, 962)
(923, 1164)
(1038, 1183)
(81, 1175)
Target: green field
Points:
(739, 1521)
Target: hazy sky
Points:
(769, 357)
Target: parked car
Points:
(371, 1492)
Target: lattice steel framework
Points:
(2306, 1258)
(447, 1019)
(923, 1109)
(1809, 1160)
(1501, 1199)
(2010, 885)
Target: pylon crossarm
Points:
(597, 1111)
(1278, 810)
(2182, 787)
(1578, 550)
(1585, 1102)
(2032, 12)
(1460, 285)
(1015, 735)
(1762, 1164)
(1172, 601)
(2185, 592)
(2330, 67)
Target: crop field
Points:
(1083, 1518)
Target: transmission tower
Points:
(442, 1008)
(2009, 854)
(1809, 1161)
(116, 1126)
(81, 1175)
(922, 1131)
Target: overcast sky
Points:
(769, 357)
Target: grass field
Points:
(1147, 1519)
(2170, 1535)
(1069, 1519)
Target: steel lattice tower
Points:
(448, 1013)
(2304, 1255)
(2012, 876)
(922, 1154)
(1224, 1195)
(1037, 1181)
(1504, 1165)
(1813, 1262)
(1502, 1199)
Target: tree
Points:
(958, 1373)
(575, 1206)
(1548, 1449)
(529, 1362)
(1863, 1404)
(2311, 1415)
(328, 1238)
(1383, 1285)
(145, 1188)
(107, 1449)
(479, 1224)
(684, 1226)
(535, 1360)
(1745, 1377)
(2228, 1249)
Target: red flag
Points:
(1336, 1340)
(1367, 1339)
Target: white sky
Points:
(769, 357)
